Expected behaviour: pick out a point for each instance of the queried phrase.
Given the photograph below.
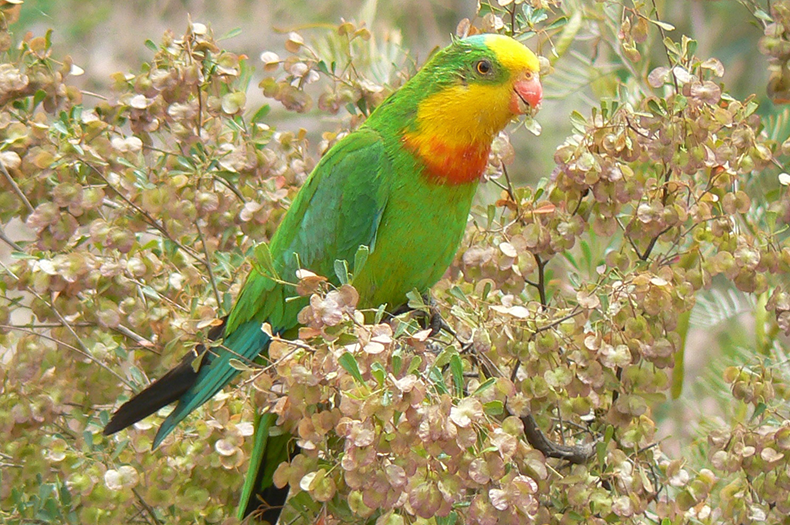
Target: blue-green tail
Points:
(244, 345)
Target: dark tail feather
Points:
(165, 390)
(267, 504)
(260, 498)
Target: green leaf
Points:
(456, 292)
(397, 362)
(39, 97)
(490, 214)
(341, 271)
(457, 371)
(600, 451)
(578, 121)
(691, 47)
(416, 301)
(450, 519)
(663, 25)
(261, 113)
(487, 287)
(44, 491)
(654, 107)
(231, 34)
(60, 127)
(349, 363)
(558, 22)
(321, 66)
(198, 360)
(671, 46)
(485, 385)
(414, 364)
(360, 258)
(494, 408)
(150, 44)
(238, 364)
(443, 359)
(380, 311)
(758, 411)
(436, 377)
(263, 262)
(378, 372)
(362, 104)
(88, 436)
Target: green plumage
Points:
(368, 190)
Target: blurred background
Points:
(105, 37)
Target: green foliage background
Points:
(623, 280)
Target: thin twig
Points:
(92, 94)
(16, 187)
(140, 340)
(208, 264)
(230, 186)
(510, 191)
(83, 353)
(576, 311)
(8, 241)
(666, 51)
(148, 509)
(541, 284)
(153, 222)
(573, 453)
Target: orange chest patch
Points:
(449, 164)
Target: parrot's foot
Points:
(432, 319)
(436, 322)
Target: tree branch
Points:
(16, 187)
(576, 454)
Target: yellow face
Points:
(474, 112)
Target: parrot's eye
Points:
(483, 67)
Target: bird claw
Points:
(432, 319)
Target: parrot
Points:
(400, 186)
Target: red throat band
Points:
(449, 164)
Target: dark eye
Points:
(483, 67)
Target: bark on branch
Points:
(574, 453)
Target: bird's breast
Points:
(421, 229)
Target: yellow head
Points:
(493, 79)
(449, 112)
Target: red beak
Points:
(527, 96)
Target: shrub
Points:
(569, 301)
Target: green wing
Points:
(338, 210)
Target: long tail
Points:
(191, 389)
(167, 389)
(244, 345)
(259, 495)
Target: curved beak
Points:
(527, 95)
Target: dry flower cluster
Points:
(568, 303)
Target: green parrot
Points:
(400, 185)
